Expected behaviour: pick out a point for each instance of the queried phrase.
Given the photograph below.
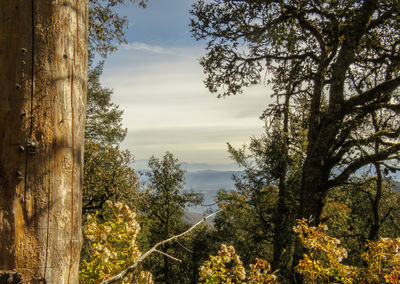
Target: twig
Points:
(153, 249)
(166, 254)
(184, 247)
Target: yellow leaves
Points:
(325, 256)
(383, 259)
(113, 245)
(323, 261)
(227, 267)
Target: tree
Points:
(166, 201)
(108, 176)
(246, 221)
(268, 186)
(42, 116)
(107, 170)
(103, 117)
(350, 213)
(324, 260)
(106, 25)
(42, 109)
(339, 57)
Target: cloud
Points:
(167, 107)
(141, 46)
(205, 144)
(172, 50)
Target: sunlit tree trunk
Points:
(43, 60)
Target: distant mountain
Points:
(142, 164)
(208, 183)
(210, 180)
(193, 167)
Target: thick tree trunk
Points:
(284, 219)
(312, 191)
(43, 59)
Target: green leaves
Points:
(103, 117)
(163, 214)
(107, 176)
(106, 26)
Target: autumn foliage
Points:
(323, 261)
(113, 246)
(226, 267)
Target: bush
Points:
(113, 246)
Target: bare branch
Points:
(138, 261)
(167, 255)
(185, 248)
(387, 86)
(360, 162)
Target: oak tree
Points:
(340, 57)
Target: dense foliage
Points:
(324, 259)
(108, 176)
(227, 267)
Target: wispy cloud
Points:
(141, 46)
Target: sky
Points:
(158, 82)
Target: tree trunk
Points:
(43, 59)
(312, 192)
(284, 219)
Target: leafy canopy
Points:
(103, 117)
(106, 26)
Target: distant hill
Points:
(210, 180)
(142, 164)
(208, 183)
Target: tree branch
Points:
(138, 261)
(360, 162)
(387, 86)
(167, 255)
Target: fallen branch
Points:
(132, 268)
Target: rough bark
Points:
(43, 59)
